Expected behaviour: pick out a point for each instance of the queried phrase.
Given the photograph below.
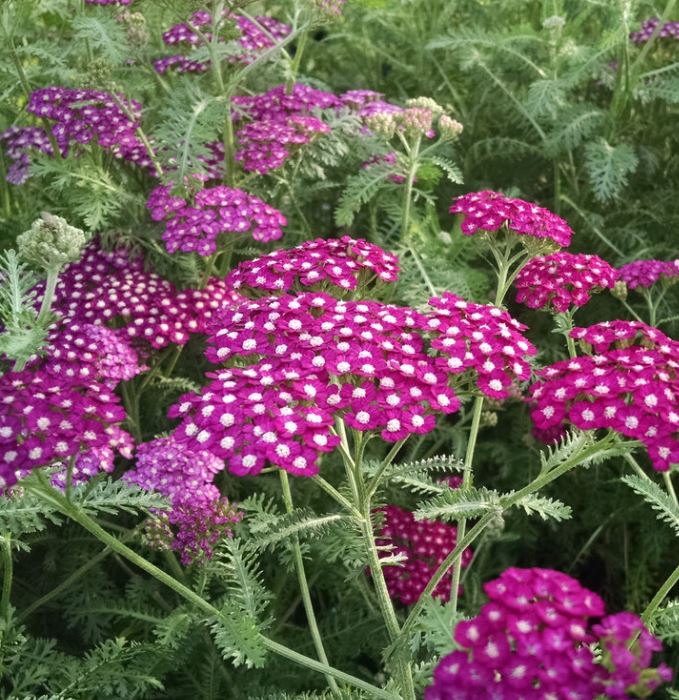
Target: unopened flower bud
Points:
(449, 128)
(382, 123)
(555, 22)
(488, 419)
(416, 120)
(135, 28)
(619, 290)
(51, 242)
(425, 103)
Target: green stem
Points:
(467, 479)
(297, 61)
(385, 464)
(636, 467)
(658, 598)
(670, 488)
(7, 571)
(48, 295)
(229, 146)
(337, 496)
(304, 585)
(413, 158)
(55, 498)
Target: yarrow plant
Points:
(534, 638)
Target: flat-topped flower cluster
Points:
(532, 641)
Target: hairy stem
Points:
(7, 572)
(304, 585)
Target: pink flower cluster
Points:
(331, 7)
(83, 116)
(215, 210)
(423, 544)
(19, 141)
(630, 385)
(343, 263)
(531, 641)
(311, 357)
(489, 211)
(648, 26)
(480, 341)
(255, 36)
(47, 420)
(112, 289)
(563, 280)
(646, 273)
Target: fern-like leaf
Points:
(666, 509)
(546, 508)
(455, 504)
(608, 168)
(238, 638)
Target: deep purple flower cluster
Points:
(19, 141)
(83, 116)
(112, 289)
(279, 104)
(489, 211)
(423, 545)
(648, 26)
(215, 210)
(630, 385)
(480, 341)
(265, 145)
(563, 280)
(343, 263)
(646, 273)
(312, 357)
(255, 36)
(47, 420)
(531, 641)
(165, 466)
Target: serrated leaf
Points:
(110, 497)
(545, 507)
(666, 510)
(455, 504)
(437, 624)
(237, 637)
(303, 523)
(452, 171)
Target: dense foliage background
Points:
(558, 106)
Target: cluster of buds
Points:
(421, 116)
(51, 243)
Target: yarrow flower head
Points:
(629, 384)
(648, 26)
(422, 546)
(47, 420)
(562, 280)
(531, 641)
(19, 143)
(255, 36)
(311, 357)
(215, 210)
(646, 273)
(113, 289)
(489, 211)
(83, 116)
(339, 263)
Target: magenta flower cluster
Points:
(83, 116)
(310, 357)
(563, 280)
(531, 641)
(422, 545)
(48, 419)
(198, 516)
(646, 273)
(343, 263)
(19, 142)
(215, 210)
(255, 36)
(113, 289)
(648, 26)
(629, 384)
(489, 211)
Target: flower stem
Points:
(297, 60)
(658, 598)
(670, 488)
(48, 295)
(7, 572)
(413, 158)
(304, 585)
(55, 498)
(467, 479)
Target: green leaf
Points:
(659, 500)
(238, 638)
(359, 190)
(437, 624)
(303, 523)
(608, 168)
(25, 514)
(665, 622)
(452, 171)
(110, 497)
(546, 508)
(455, 504)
